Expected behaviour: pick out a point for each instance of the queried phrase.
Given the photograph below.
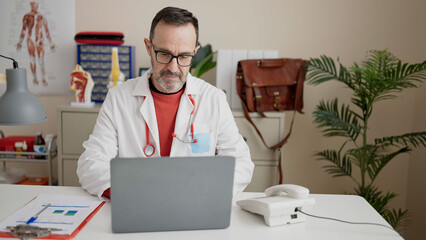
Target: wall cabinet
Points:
(75, 124)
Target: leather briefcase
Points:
(271, 84)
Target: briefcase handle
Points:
(270, 62)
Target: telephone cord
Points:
(343, 221)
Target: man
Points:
(35, 21)
(166, 112)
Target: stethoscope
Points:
(149, 149)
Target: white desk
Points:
(244, 225)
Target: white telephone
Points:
(279, 205)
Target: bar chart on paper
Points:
(57, 214)
(63, 213)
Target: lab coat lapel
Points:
(183, 117)
(148, 113)
(182, 125)
(147, 110)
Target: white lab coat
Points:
(120, 131)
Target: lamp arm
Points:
(15, 63)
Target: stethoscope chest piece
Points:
(149, 150)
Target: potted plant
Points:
(203, 61)
(378, 78)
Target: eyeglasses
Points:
(166, 57)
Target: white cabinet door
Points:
(69, 174)
(76, 128)
(265, 175)
(270, 130)
(266, 161)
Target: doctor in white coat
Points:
(135, 118)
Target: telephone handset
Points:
(289, 190)
(279, 205)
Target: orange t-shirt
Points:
(166, 107)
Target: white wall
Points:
(299, 29)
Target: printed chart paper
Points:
(65, 213)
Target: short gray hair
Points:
(175, 16)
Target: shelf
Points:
(50, 154)
(14, 158)
(24, 153)
(23, 160)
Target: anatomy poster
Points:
(39, 35)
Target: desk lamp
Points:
(18, 106)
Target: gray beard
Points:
(170, 88)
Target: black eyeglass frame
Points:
(173, 56)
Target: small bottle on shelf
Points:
(48, 138)
(39, 145)
(18, 148)
(25, 147)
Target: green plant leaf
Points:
(341, 166)
(415, 139)
(378, 200)
(205, 65)
(397, 219)
(337, 122)
(363, 156)
(205, 68)
(383, 75)
(201, 54)
(377, 164)
(203, 61)
(324, 69)
(408, 74)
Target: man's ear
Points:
(147, 46)
(196, 49)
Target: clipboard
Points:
(68, 213)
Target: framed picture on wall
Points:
(44, 71)
(142, 71)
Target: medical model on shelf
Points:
(116, 76)
(82, 83)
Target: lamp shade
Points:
(18, 106)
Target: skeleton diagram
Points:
(35, 21)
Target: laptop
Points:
(171, 193)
